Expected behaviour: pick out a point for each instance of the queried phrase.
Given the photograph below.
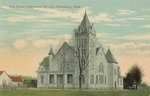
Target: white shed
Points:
(4, 79)
(16, 81)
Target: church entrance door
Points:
(59, 81)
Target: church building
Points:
(62, 69)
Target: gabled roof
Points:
(110, 58)
(85, 22)
(16, 79)
(51, 52)
(1, 72)
(65, 44)
(65, 47)
(98, 48)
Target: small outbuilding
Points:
(16, 81)
(4, 79)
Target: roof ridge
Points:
(110, 58)
(51, 52)
(85, 22)
(1, 72)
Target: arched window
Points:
(42, 79)
(67, 66)
(101, 68)
(92, 79)
(83, 79)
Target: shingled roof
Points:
(85, 22)
(110, 58)
(51, 52)
(1, 72)
(16, 79)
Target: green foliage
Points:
(136, 74)
(44, 92)
(45, 60)
(133, 77)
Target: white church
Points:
(100, 70)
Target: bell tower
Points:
(85, 38)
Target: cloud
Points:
(76, 16)
(41, 43)
(117, 25)
(124, 12)
(46, 13)
(66, 36)
(129, 45)
(146, 16)
(103, 34)
(101, 17)
(55, 13)
(6, 7)
(19, 44)
(20, 18)
(53, 41)
(17, 15)
(146, 26)
(137, 37)
(139, 52)
(136, 18)
(130, 48)
(121, 46)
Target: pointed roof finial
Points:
(85, 22)
(51, 52)
(110, 58)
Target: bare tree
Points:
(63, 51)
(83, 57)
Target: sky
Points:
(28, 29)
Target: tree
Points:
(128, 81)
(65, 60)
(134, 76)
(83, 57)
(45, 60)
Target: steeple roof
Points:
(51, 52)
(110, 58)
(85, 22)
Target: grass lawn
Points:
(47, 92)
